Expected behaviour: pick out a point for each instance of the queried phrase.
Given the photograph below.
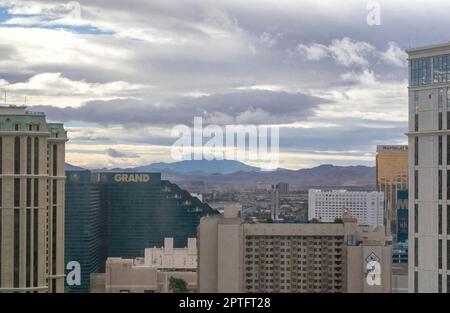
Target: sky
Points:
(122, 74)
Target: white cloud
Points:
(314, 52)
(55, 89)
(394, 55)
(345, 51)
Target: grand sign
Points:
(132, 178)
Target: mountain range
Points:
(235, 175)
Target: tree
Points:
(177, 285)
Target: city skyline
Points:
(121, 76)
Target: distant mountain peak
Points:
(201, 166)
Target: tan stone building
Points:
(317, 257)
(149, 274)
(32, 181)
(392, 176)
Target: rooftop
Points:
(433, 49)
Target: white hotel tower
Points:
(429, 171)
(327, 205)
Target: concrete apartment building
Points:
(429, 172)
(392, 178)
(150, 274)
(238, 257)
(327, 205)
(32, 154)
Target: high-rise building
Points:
(328, 205)
(234, 256)
(275, 203)
(283, 187)
(83, 226)
(151, 273)
(32, 153)
(140, 210)
(392, 176)
(429, 176)
(121, 214)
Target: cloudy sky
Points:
(121, 74)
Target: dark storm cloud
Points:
(245, 107)
(342, 138)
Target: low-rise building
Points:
(150, 274)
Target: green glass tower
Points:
(82, 225)
(120, 214)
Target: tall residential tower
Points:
(31, 202)
(429, 172)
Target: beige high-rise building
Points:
(429, 172)
(32, 181)
(392, 176)
(318, 257)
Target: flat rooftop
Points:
(429, 50)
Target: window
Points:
(55, 160)
(16, 247)
(16, 127)
(29, 156)
(16, 192)
(448, 96)
(440, 68)
(416, 101)
(448, 150)
(416, 282)
(416, 218)
(448, 119)
(440, 283)
(440, 99)
(36, 193)
(416, 122)
(17, 155)
(28, 200)
(448, 219)
(36, 156)
(439, 150)
(440, 121)
(35, 246)
(416, 184)
(28, 249)
(416, 252)
(416, 151)
(420, 71)
(448, 184)
(440, 184)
